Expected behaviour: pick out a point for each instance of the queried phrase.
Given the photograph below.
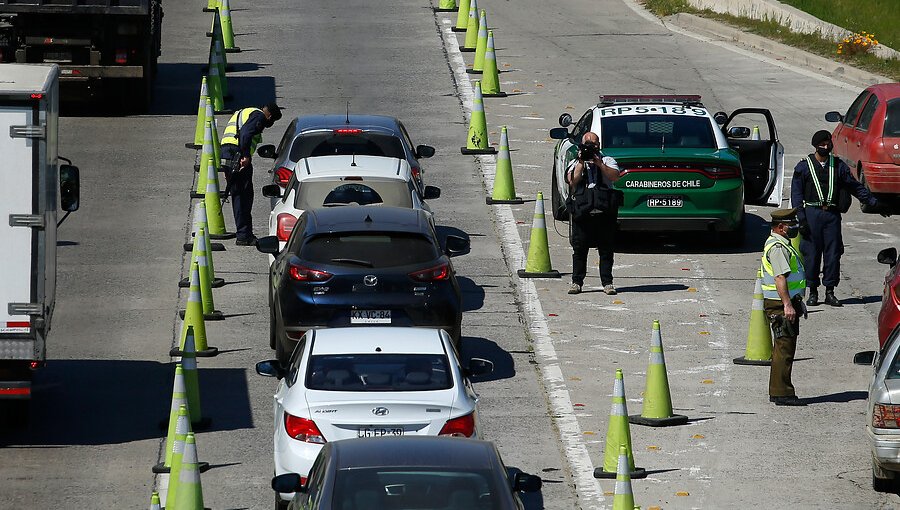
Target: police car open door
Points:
(751, 132)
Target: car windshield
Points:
(646, 131)
(394, 192)
(416, 489)
(378, 372)
(892, 119)
(361, 144)
(375, 250)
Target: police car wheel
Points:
(557, 206)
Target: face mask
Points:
(823, 151)
(793, 231)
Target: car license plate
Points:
(379, 431)
(370, 317)
(665, 201)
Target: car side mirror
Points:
(720, 118)
(288, 482)
(270, 368)
(565, 120)
(456, 245)
(268, 244)
(266, 151)
(523, 482)
(834, 117)
(478, 366)
(864, 358)
(69, 188)
(559, 133)
(424, 151)
(739, 132)
(271, 191)
(888, 256)
(431, 192)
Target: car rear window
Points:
(644, 131)
(361, 144)
(394, 192)
(375, 250)
(892, 119)
(398, 488)
(378, 372)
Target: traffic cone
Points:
(462, 16)
(211, 6)
(471, 39)
(179, 398)
(477, 142)
(214, 217)
(206, 295)
(480, 46)
(446, 6)
(207, 157)
(759, 336)
(154, 501)
(227, 30)
(200, 221)
(217, 147)
(190, 492)
(504, 187)
(202, 247)
(192, 382)
(175, 445)
(217, 58)
(490, 80)
(623, 499)
(657, 410)
(215, 90)
(538, 263)
(193, 316)
(755, 134)
(201, 118)
(796, 242)
(618, 434)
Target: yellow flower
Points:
(839, 52)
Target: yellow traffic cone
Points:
(759, 336)
(214, 86)
(206, 158)
(193, 316)
(538, 263)
(796, 243)
(623, 498)
(202, 246)
(227, 30)
(217, 147)
(192, 382)
(657, 410)
(154, 501)
(446, 6)
(504, 186)
(214, 217)
(490, 80)
(471, 39)
(211, 6)
(618, 434)
(179, 398)
(755, 134)
(462, 16)
(477, 141)
(480, 46)
(201, 118)
(190, 493)
(217, 57)
(206, 296)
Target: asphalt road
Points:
(94, 433)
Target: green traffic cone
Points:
(201, 117)
(446, 6)
(504, 186)
(462, 16)
(759, 336)
(538, 263)
(657, 410)
(623, 499)
(471, 39)
(477, 141)
(480, 46)
(190, 492)
(490, 80)
(618, 434)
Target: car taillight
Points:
(121, 56)
(302, 429)
(282, 176)
(286, 224)
(347, 131)
(464, 426)
(305, 274)
(432, 274)
(886, 416)
(723, 172)
(415, 171)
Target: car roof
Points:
(340, 166)
(362, 219)
(384, 340)
(413, 451)
(327, 121)
(886, 90)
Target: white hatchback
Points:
(344, 383)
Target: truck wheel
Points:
(556, 203)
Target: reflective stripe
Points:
(194, 296)
(796, 279)
(757, 305)
(539, 222)
(623, 487)
(618, 409)
(233, 129)
(189, 472)
(657, 358)
(815, 179)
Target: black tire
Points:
(280, 505)
(883, 484)
(558, 207)
(734, 238)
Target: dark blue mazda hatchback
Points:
(361, 265)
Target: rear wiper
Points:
(358, 262)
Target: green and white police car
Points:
(684, 169)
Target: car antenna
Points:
(348, 113)
(353, 161)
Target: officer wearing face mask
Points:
(820, 190)
(783, 285)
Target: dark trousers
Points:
(594, 231)
(241, 190)
(825, 243)
(780, 384)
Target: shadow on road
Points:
(838, 398)
(477, 347)
(472, 294)
(658, 287)
(756, 228)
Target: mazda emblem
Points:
(380, 411)
(370, 280)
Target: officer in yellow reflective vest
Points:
(242, 134)
(783, 285)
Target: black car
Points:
(421, 472)
(368, 265)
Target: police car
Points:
(684, 169)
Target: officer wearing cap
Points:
(242, 134)
(783, 285)
(820, 190)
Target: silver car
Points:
(883, 412)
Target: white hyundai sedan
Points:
(344, 383)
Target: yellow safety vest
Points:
(233, 129)
(796, 279)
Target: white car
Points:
(344, 383)
(326, 181)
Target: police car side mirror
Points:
(834, 117)
(739, 132)
(559, 133)
(266, 151)
(864, 358)
(720, 118)
(888, 256)
(565, 120)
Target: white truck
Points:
(33, 187)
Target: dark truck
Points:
(104, 48)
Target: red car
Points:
(867, 138)
(889, 316)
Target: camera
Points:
(588, 151)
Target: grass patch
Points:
(771, 29)
(873, 16)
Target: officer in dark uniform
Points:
(816, 191)
(242, 134)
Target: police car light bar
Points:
(606, 100)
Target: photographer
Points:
(593, 205)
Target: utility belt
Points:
(828, 208)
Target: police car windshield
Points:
(656, 131)
(378, 372)
(337, 144)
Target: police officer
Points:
(783, 284)
(242, 134)
(816, 189)
(594, 208)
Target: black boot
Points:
(830, 299)
(813, 299)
